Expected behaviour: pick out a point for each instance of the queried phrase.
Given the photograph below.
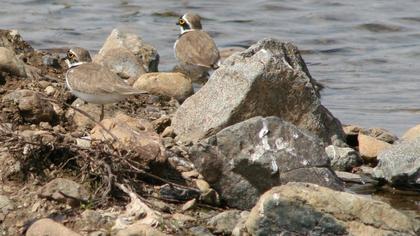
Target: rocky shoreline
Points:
(252, 152)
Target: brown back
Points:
(96, 79)
(197, 48)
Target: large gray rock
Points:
(343, 158)
(308, 209)
(10, 63)
(244, 160)
(31, 106)
(122, 62)
(269, 78)
(400, 164)
(145, 53)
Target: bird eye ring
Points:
(181, 21)
(70, 55)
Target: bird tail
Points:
(134, 91)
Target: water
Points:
(367, 53)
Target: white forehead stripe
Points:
(187, 21)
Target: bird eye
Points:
(70, 55)
(181, 21)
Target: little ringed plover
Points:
(195, 49)
(94, 83)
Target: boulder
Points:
(382, 134)
(243, 161)
(122, 62)
(64, 190)
(10, 63)
(227, 52)
(146, 54)
(50, 228)
(370, 147)
(343, 158)
(175, 85)
(400, 165)
(268, 79)
(132, 134)
(352, 134)
(31, 106)
(309, 209)
(412, 133)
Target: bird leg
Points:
(102, 113)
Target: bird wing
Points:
(197, 48)
(96, 79)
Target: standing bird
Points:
(94, 83)
(195, 49)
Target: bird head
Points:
(189, 21)
(77, 55)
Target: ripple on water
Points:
(415, 19)
(380, 27)
(167, 14)
(322, 41)
(277, 8)
(340, 50)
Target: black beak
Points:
(177, 23)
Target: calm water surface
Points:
(367, 53)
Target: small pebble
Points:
(45, 125)
(190, 174)
(189, 205)
(202, 185)
(50, 90)
(168, 132)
